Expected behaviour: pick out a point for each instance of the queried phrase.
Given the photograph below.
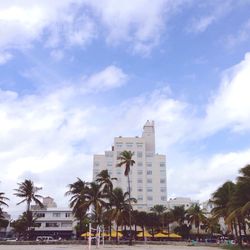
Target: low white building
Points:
(53, 221)
(4, 231)
(181, 201)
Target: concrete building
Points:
(5, 231)
(53, 221)
(181, 201)
(147, 176)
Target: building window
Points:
(150, 198)
(139, 181)
(118, 172)
(139, 164)
(51, 224)
(149, 164)
(149, 189)
(139, 172)
(149, 180)
(108, 154)
(163, 171)
(162, 180)
(40, 215)
(119, 144)
(163, 198)
(129, 144)
(37, 224)
(140, 198)
(139, 154)
(139, 189)
(149, 155)
(110, 164)
(66, 224)
(163, 190)
(67, 215)
(149, 172)
(139, 145)
(97, 164)
(118, 154)
(56, 215)
(162, 164)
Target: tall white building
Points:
(147, 176)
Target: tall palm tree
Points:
(221, 200)
(27, 190)
(3, 199)
(121, 205)
(77, 191)
(196, 216)
(179, 214)
(141, 221)
(105, 180)
(168, 218)
(96, 200)
(159, 210)
(127, 161)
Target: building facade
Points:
(53, 221)
(147, 176)
(181, 201)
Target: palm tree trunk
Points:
(240, 236)
(116, 233)
(130, 230)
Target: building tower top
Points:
(149, 135)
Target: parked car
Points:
(45, 238)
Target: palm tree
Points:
(3, 199)
(27, 190)
(196, 216)
(105, 180)
(179, 214)
(159, 210)
(96, 200)
(141, 221)
(121, 205)
(77, 191)
(221, 199)
(168, 218)
(127, 161)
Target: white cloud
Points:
(201, 177)
(57, 55)
(139, 23)
(215, 10)
(109, 78)
(230, 107)
(201, 24)
(243, 35)
(70, 23)
(5, 57)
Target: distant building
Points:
(53, 221)
(4, 231)
(181, 201)
(147, 176)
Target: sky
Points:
(76, 73)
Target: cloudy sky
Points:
(76, 73)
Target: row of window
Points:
(55, 215)
(129, 144)
(150, 198)
(139, 164)
(150, 181)
(150, 189)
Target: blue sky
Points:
(76, 73)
